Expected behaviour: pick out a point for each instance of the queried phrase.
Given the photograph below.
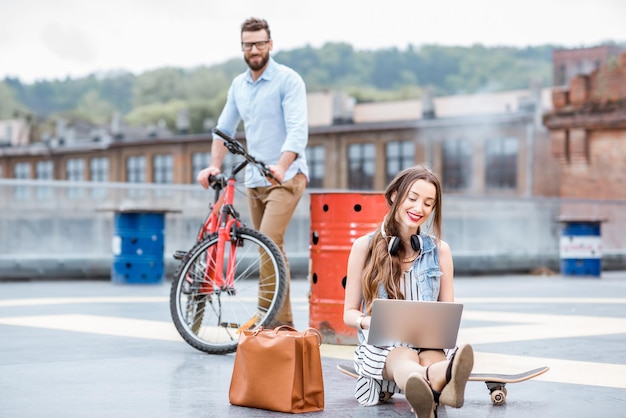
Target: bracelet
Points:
(359, 320)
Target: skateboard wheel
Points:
(498, 397)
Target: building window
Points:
(136, 173)
(44, 170)
(457, 164)
(99, 172)
(199, 161)
(21, 171)
(399, 155)
(99, 169)
(162, 171)
(136, 169)
(75, 169)
(361, 162)
(315, 160)
(562, 76)
(501, 163)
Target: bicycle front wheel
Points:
(210, 310)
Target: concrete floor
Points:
(96, 349)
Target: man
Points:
(271, 100)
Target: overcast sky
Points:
(48, 39)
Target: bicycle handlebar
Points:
(236, 148)
(218, 180)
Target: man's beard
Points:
(257, 65)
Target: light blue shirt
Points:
(274, 112)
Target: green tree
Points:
(203, 114)
(8, 105)
(154, 113)
(158, 86)
(93, 108)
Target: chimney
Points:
(428, 104)
(343, 108)
(60, 130)
(182, 121)
(116, 126)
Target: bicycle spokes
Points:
(245, 292)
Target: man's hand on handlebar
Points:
(205, 174)
(278, 173)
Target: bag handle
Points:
(316, 332)
(287, 327)
(290, 328)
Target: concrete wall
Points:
(64, 230)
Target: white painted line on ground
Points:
(81, 300)
(537, 327)
(104, 299)
(543, 300)
(104, 325)
(561, 371)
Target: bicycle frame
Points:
(222, 220)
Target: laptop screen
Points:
(417, 323)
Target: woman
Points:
(401, 261)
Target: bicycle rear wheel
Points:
(208, 314)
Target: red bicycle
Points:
(234, 278)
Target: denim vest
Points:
(426, 271)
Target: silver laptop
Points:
(420, 324)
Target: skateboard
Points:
(496, 382)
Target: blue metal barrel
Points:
(581, 249)
(138, 244)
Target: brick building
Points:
(588, 133)
(568, 63)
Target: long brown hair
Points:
(381, 268)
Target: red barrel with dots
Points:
(337, 220)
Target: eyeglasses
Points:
(260, 45)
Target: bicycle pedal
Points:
(229, 325)
(179, 254)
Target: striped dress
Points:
(369, 360)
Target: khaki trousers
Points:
(271, 210)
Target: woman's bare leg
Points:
(403, 367)
(447, 377)
(435, 361)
